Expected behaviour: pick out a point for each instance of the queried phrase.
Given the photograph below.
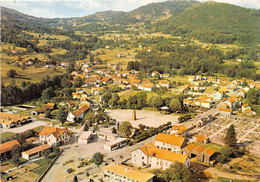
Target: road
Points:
(71, 151)
(20, 129)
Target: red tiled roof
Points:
(6, 147)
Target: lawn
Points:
(5, 46)
(58, 51)
(7, 134)
(225, 46)
(40, 170)
(257, 65)
(177, 78)
(216, 147)
(111, 55)
(31, 74)
(221, 179)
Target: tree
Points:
(47, 113)
(70, 68)
(62, 115)
(45, 153)
(78, 81)
(16, 153)
(230, 138)
(91, 58)
(175, 105)
(125, 128)
(23, 84)
(253, 96)
(178, 172)
(11, 73)
(244, 84)
(106, 97)
(66, 83)
(114, 100)
(114, 130)
(75, 179)
(47, 94)
(157, 102)
(98, 158)
(141, 100)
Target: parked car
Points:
(68, 170)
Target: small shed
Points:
(115, 144)
(34, 152)
(85, 137)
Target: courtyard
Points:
(148, 118)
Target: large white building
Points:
(170, 143)
(52, 135)
(151, 156)
(118, 172)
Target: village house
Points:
(151, 156)
(163, 83)
(201, 139)
(154, 73)
(218, 96)
(26, 63)
(53, 135)
(95, 91)
(224, 111)
(80, 63)
(119, 172)
(186, 88)
(247, 110)
(107, 80)
(78, 114)
(68, 103)
(165, 75)
(178, 130)
(122, 73)
(170, 142)
(8, 120)
(146, 86)
(48, 106)
(232, 102)
(64, 64)
(202, 154)
(6, 148)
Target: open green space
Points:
(6, 134)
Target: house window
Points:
(142, 157)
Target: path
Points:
(221, 130)
(215, 173)
(250, 131)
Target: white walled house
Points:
(170, 142)
(52, 135)
(151, 156)
(118, 172)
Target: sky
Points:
(75, 8)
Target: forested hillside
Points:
(215, 23)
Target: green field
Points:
(111, 55)
(7, 134)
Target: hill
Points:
(215, 23)
(153, 11)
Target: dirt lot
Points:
(148, 118)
